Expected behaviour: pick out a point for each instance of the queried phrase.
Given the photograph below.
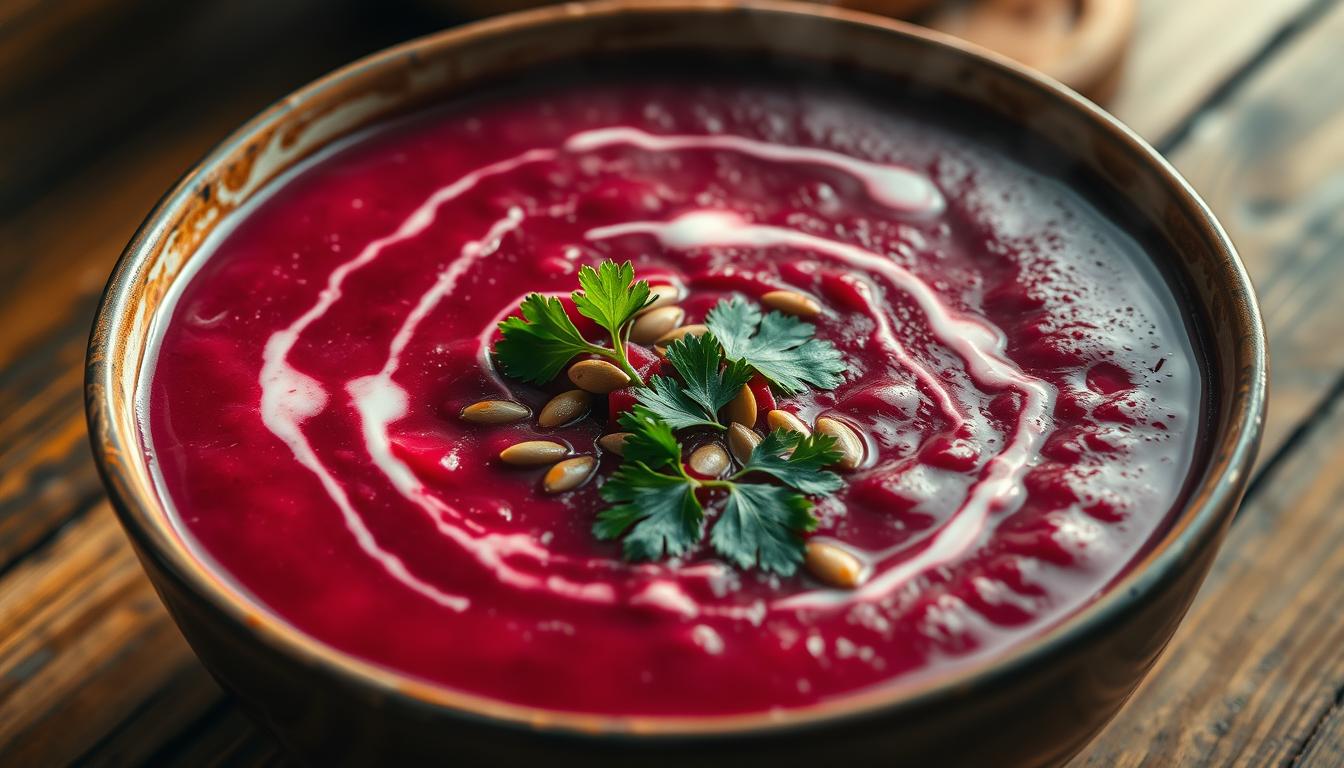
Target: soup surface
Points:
(1026, 396)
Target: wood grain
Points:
(92, 669)
(1184, 51)
(87, 642)
(1270, 162)
(1255, 674)
(1326, 746)
(79, 76)
(46, 308)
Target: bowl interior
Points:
(1146, 194)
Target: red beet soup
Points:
(1024, 396)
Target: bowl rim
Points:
(1199, 522)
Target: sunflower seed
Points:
(597, 376)
(680, 333)
(568, 474)
(654, 324)
(833, 565)
(495, 412)
(615, 442)
(565, 408)
(742, 441)
(791, 303)
(847, 441)
(532, 453)
(784, 420)
(742, 408)
(709, 460)
(663, 296)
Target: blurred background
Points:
(104, 103)
(87, 81)
(84, 80)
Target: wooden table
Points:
(1245, 96)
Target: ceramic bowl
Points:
(1035, 704)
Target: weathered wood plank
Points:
(46, 308)
(54, 259)
(91, 667)
(229, 738)
(79, 76)
(46, 475)
(1326, 745)
(1271, 165)
(1258, 665)
(59, 252)
(188, 696)
(86, 643)
(90, 663)
(1183, 52)
(1255, 674)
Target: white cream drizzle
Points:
(380, 401)
(289, 398)
(891, 185)
(887, 338)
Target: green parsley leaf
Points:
(801, 469)
(536, 346)
(783, 349)
(704, 378)
(663, 509)
(760, 526)
(651, 441)
(608, 298)
(665, 398)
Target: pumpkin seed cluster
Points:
(707, 393)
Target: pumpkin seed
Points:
(598, 376)
(565, 408)
(791, 303)
(663, 296)
(778, 419)
(615, 442)
(532, 453)
(742, 408)
(847, 441)
(833, 565)
(568, 474)
(709, 460)
(680, 333)
(495, 412)
(653, 324)
(742, 441)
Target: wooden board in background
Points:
(1270, 162)
(1184, 51)
(1256, 671)
(1255, 674)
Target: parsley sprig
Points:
(538, 345)
(781, 348)
(706, 384)
(657, 505)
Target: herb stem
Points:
(618, 347)
(618, 356)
